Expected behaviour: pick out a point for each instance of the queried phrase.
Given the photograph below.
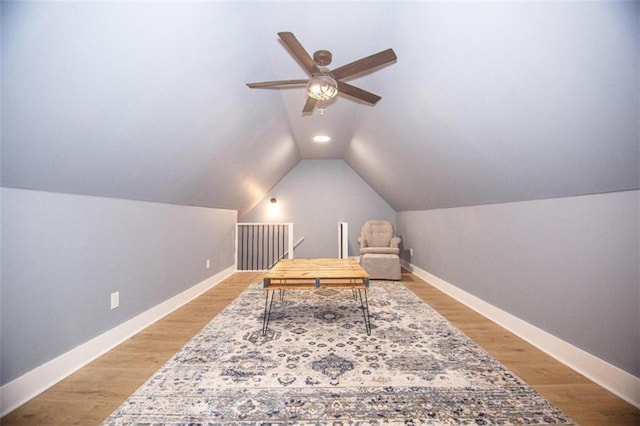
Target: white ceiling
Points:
(488, 101)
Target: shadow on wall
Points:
(405, 254)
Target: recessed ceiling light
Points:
(321, 138)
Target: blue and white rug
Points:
(316, 365)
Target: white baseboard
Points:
(406, 265)
(36, 381)
(610, 377)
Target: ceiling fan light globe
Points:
(322, 88)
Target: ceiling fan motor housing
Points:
(322, 58)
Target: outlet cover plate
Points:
(115, 299)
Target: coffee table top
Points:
(305, 273)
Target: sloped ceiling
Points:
(488, 101)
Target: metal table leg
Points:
(364, 303)
(267, 310)
(268, 304)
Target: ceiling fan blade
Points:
(299, 52)
(309, 105)
(364, 64)
(277, 83)
(358, 93)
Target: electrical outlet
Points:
(115, 299)
(410, 252)
(208, 263)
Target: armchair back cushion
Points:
(376, 237)
(377, 233)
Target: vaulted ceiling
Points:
(488, 101)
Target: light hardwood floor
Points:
(88, 396)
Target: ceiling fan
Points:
(325, 84)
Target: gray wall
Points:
(63, 255)
(569, 266)
(315, 196)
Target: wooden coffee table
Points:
(305, 274)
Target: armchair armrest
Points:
(395, 242)
(363, 242)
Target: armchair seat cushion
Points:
(380, 250)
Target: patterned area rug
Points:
(316, 365)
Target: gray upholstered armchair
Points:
(376, 237)
(379, 250)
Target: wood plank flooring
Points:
(88, 396)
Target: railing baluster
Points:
(253, 247)
(264, 251)
(258, 246)
(244, 248)
(261, 245)
(272, 257)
